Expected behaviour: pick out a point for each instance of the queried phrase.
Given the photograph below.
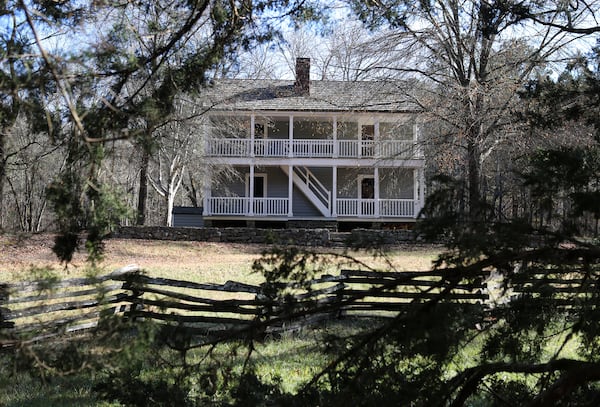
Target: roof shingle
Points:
(325, 96)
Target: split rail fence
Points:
(37, 310)
(42, 309)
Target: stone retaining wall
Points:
(301, 237)
(379, 238)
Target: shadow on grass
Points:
(23, 390)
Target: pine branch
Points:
(576, 373)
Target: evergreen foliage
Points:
(114, 76)
(538, 344)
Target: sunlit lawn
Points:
(194, 261)
(294, 358)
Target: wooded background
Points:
(106, 112)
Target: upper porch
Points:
(294, 135)
(306, 148)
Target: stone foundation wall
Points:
(379, 238)
(300, 237)
(304, 237)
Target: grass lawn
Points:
(194, 261)
(288, 361)
(294, 358)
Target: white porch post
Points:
(416, 189)
(376, 192)
(290, 190)
(252, 135)
(206, 194)
(251, 191)
(336, 147)
(334, 193)
(291, 137)
(377, 149)
(359, 140)
(421, 189)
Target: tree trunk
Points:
(143, 190)
(473, 177)
(175, 180)
(2, 176)
(192, 193)
(170, 198)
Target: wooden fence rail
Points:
(562, 289)
(37, 310)
(46, 308)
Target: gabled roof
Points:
(324, 96)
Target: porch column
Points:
(206, 194)
(416, 190)
(421, 189)
(377, 147)
(376, 192)
(336, 148)
(291, 137)
(251, 191)
(252, 135)
(290, 190)
(334, 193)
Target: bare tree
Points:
(256, 63)
(474, 57)
(114, 66)
(30, 162)
(354, 53)
(179, 144)
(346, 52)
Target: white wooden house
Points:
(310, 151)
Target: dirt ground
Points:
(20, 253)
(199, 261)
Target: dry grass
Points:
(293, 358)
(195, 261)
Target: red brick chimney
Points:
(302, 84)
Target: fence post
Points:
(340, 296)
(4, 296)
(132, 282)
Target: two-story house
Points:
(304, 152)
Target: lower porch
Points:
(344, 207)
(284, 193)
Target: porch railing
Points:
(355, 207)
(312, 148)
(345, 207)
(269, 147)
(247, 206)
(270, 206)
(385, 208)
(241, 147)
(397, 208)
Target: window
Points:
(367, 132)
(259, 130)
(367, 135)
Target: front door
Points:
(260, 191)
(259, 186)
(366, 189)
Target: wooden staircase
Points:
(312, 188)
